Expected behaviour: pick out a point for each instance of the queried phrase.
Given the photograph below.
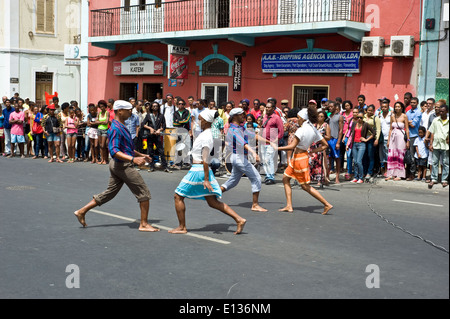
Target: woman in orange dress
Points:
(299, 168)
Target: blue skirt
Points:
(192, 184)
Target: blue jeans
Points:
(438, 156)
(349, 158)
(38, 144)
(358, 151)
(369, 159)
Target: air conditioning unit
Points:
(402, 45)
(372, 46)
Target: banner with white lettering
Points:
(237, 78)
(311, 62)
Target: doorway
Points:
(150, 90)
(44, 83)
(128, 90)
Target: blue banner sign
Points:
(311, 62)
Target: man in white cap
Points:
(122, 151)
(237, 140)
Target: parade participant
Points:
(237, 140)
(124, 156)
(299, 168)
(200, 182)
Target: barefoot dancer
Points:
(122, 172)
(237, 141)
(298, 168)
(200, 182)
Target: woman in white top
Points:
(298, 168)
(200, 182)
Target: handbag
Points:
(408, 159)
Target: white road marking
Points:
(161, 227)
(416, 203)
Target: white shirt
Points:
(425, 118)
(385, 124)
(167, 111)
(307, 134)
(205, 139)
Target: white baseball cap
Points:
(122, 105)
(236, 111)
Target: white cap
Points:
(122, 105)
(304, 114)
(236, 111)
(208, 115)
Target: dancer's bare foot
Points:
(240, 226)
(59, 161)
(178, 230)
(148, 228)
(257, 208)
(50, 161)
(286, 209)
(327, 209)
(81, 218)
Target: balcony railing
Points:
(215, 14)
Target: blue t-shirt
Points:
(6, 114)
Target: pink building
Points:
(287, 49)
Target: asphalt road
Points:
(44, 251)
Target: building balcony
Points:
(176, 22)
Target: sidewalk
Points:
(403, 183)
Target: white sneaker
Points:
(354, 181)
(360, 182)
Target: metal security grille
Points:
(303, 94)
(215, 67)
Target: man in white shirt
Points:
(167, 110)
(426, 115)
(385, 120)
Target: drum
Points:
(170, 141)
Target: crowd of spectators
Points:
(400, 140)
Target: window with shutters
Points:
(45, 16)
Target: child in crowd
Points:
(80, 135)
(421, 155)
(72, 130)
(92, 123)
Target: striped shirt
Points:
(238, 136)
(120, 140)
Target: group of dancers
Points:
(199, 182)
